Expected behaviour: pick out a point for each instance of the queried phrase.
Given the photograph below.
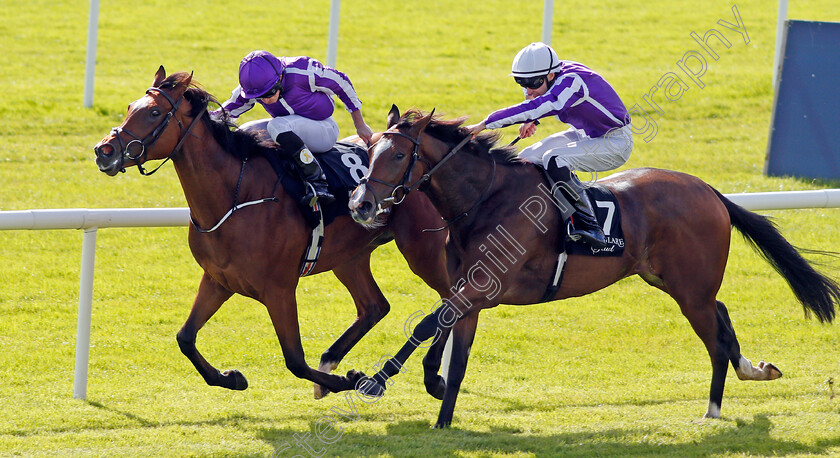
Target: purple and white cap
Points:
(259, 71)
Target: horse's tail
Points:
(817, 292)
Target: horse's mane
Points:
(451, 131)
(239, 143)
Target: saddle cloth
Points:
(608, 214)
(344, 166)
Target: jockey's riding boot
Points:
(582, 225)
(310, 169)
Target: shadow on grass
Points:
(415, 438)
(822, 183)
(221, 420)
(517, 404)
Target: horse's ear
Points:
(159, 76)
(182, 86)
(393, 116)
(188, 81)
(421, 124)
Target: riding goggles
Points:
(533, 82)
(274, 89)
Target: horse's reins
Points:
(483, 194)
(415, 156)
(236, 206)
(536, 123)
(155, 135)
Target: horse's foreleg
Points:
(462, 340)
(424, 252)
(371, 307)
(466, 303)
(431, 326)
(435, 384)
(210, 297)
(282, 309)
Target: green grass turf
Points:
(616, 373)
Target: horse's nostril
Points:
(104, 150)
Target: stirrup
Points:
(591, 236)
(314, 195)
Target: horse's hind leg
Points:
(705, 320)
(743, 367)
(371, 307)
(210, 297)
(463, 336)
(724, 351)
(694, 287)
(728, 350)
(712, 324)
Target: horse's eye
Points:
(399, 156)
(155, 113)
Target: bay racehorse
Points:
(676, 231)
(256, 252)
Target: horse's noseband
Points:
(401, 189)
(125, 149)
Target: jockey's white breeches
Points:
(574, 149)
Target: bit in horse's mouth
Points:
(374, 222)
(110, 168)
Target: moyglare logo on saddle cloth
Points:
(609, 217)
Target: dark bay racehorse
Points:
(257, 251)
(676, 227)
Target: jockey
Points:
(599, 139)
(297, 92)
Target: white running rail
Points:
(89, 221)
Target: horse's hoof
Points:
(320, 391)
(234, 380)
(764, 371)
(350, 381)
(442, 425)
(436, 388)
(353, 376)
(772, 371)
(368, 386)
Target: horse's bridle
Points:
(403, 185)
(153, 136)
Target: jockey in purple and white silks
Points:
(599, 139)
(297, 92)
